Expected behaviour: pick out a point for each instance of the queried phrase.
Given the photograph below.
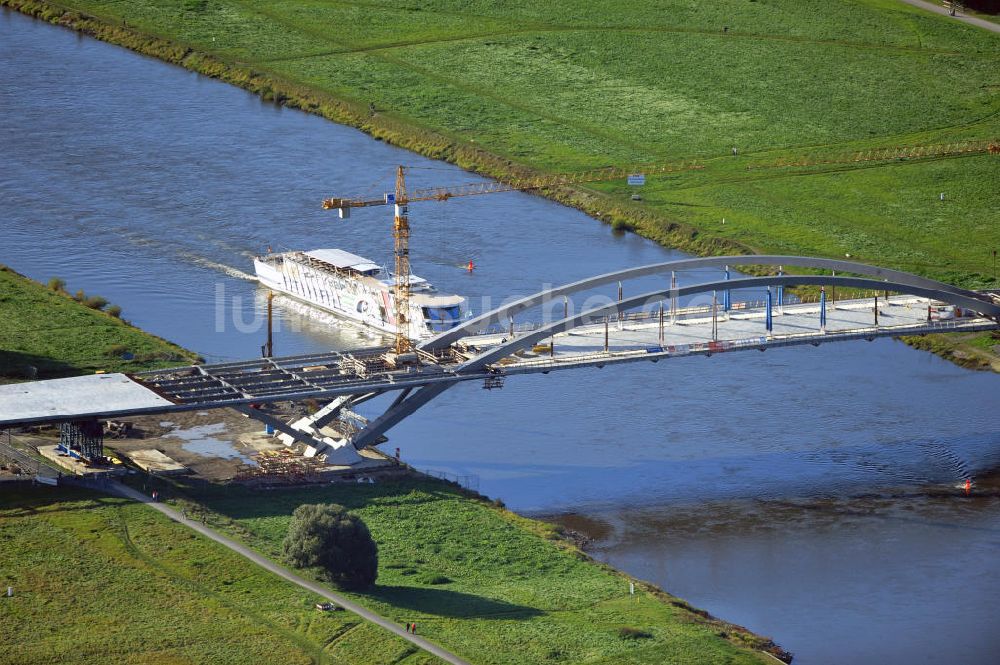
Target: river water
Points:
(808, 494)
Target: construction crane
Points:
(401, 199)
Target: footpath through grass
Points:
(101, 580)
(59, 336)
(104, 580)
(486, 584)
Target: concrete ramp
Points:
(78, 397)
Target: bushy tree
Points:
(326, 536)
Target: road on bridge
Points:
(281, 571)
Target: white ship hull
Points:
(356, 289)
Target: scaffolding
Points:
(82, 439)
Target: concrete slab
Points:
(77, 397)
(73, 465)
(153, 461)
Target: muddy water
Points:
(887, 579)
(732, 481)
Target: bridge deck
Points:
(641, 330)
(329, 375)
(638, 338)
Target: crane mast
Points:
(401, 290)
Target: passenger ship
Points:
(357, 289)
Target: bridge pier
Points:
(395, 414)
(337, 452)
(727, 302)
(673, 297)
(768, 317)
(781, 292)
(822, 309)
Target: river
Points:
(805, 493)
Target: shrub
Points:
(433, 578)
(96, 302)
(58, 285)
(80, 296)
(114, 311)
(621, 225)
(327, 537)
(627, 633)
(116, 351)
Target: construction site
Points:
(221, 446)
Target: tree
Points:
(326, 536)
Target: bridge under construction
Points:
(495, 346)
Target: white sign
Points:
(637, 179)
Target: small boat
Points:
(357, 289)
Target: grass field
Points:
(100, 580)
(559, 86)
(484, 583)
(60, 337)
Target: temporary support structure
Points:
(83, 439)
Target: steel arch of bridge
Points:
(502, 313)
(912, 285)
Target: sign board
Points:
(637, 179)
(390, 199)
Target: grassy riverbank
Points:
(483, 582)
(100, 580)
(525, 88)
(50, 331)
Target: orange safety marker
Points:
(471, 266)
(968, 486)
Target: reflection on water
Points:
(199, 440)
(155, 187)
(889, 579)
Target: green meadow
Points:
(105, 580)
(561, 86)
(101, 580)
(485, 583)
(58, 336)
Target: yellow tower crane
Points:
(401, 198)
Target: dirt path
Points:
(267, 564)
(971, 20)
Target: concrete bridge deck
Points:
(364, 372)
(642, 337)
